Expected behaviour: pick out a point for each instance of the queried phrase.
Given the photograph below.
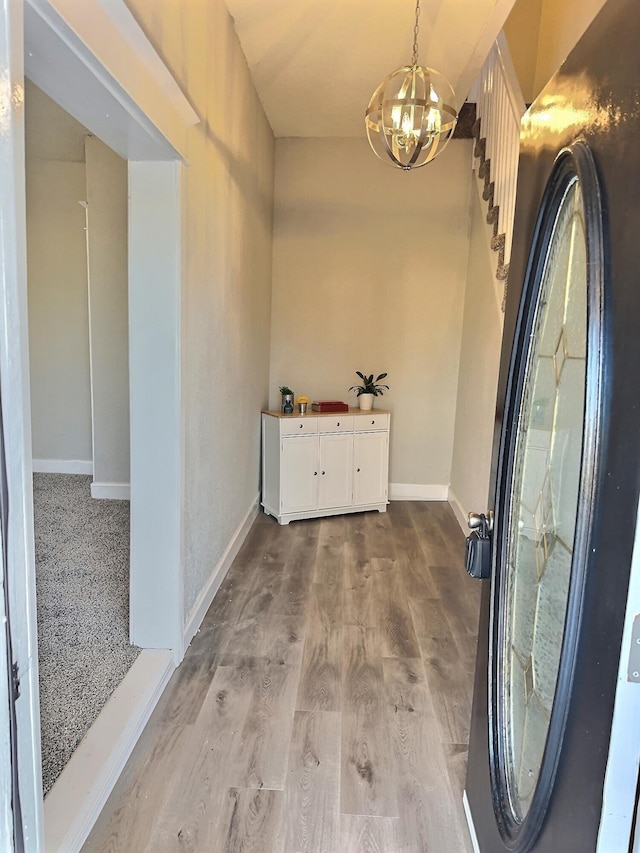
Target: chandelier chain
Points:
(416, 30)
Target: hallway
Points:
(323, 706)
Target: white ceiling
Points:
(316, 63)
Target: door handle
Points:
(478, 545)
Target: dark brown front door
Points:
(566, 490)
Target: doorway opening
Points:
(76, 206)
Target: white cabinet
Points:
(370, 451)
(335, 463)
(299, 459)
(320, 464)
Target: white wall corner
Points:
(111, 491)
(194, 620)
(155, 225)
(62, 466)
(459, 511)
(418, 492)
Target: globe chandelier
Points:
(411, 117)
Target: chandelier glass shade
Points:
(411, 117)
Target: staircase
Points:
(499, 110)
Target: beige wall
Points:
(80, 404)
(369, 274)
(522, 29)
(541, 34)
(57, 282)
(226, 297)
(478, 376)
(562, 24)
(107, 218)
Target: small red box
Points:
(329, 406)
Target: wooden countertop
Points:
(276, 413)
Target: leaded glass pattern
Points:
(544, 498)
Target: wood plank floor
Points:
(324, 705)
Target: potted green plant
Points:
(369, 389)
(287, 399)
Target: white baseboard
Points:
(217, 576)
(62, 466)
(73, 804)
(111, 491)
(470, 824)
(459, 511)
(417, 492)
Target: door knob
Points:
(477, 520)
(478, 545)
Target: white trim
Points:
(62, 466)
(72, 806)
(217, 576)
(470, 824)
(128, 28)
(14, 377)
(458, 510)
(418, 492)
(111, 491)
(493, 24)
(621, 779)
(514, 91)
(155, 405)
(96, 61)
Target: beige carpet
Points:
(82, 588)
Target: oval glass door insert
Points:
(549, 463)
(544, 500)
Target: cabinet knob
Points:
(323, 473)
(315, 473)
(358, 470)
(338, 424)
(300, 425)
(373, 422)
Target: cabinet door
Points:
(370, 469)
(299, 473)
(334, 476)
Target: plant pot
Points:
(287, 403)
(302, 408)
(366, 402)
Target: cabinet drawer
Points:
(336, 423)
(372, 422)
(298, 426)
